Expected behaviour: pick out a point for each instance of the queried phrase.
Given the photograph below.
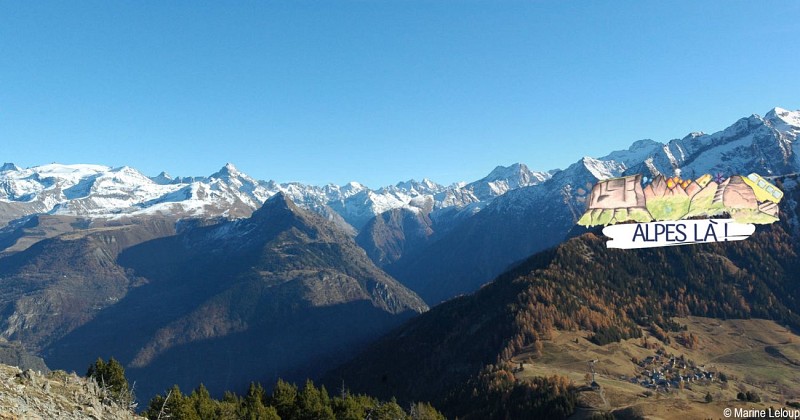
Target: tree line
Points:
(287, 401)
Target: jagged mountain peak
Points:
(265, 280)
(8, 166)
(753, 143)
(542, 215)
(693, 135)
(412, 185)
(503, 179)
(406, 185)
(504, 172)
(279, 202)
(785, 116)
(643, 143)
(126, 171)
(280, 207)
(603, 169)
(227, 171)
(124, 168)
(780, 112)
(163, 178)
(637, 152)
(352, 187)
(97, 191)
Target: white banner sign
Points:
(680, 232)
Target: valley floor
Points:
(759, 356)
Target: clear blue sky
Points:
(380, 91)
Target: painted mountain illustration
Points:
(750, 199)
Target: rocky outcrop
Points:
(58, 395)
(388, 236)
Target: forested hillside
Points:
(579, 285)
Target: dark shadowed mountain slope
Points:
(13, 354)
(578, 285)
(396, 233)
(58, 284)
(512, 227)
(283, 293)
(392, 234)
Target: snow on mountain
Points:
(426, 186)
(162, 179)
(529, 219)
(502, 179)
(784, 120)
(763, 144)
(754, 144)
(97, 191)
(766, 145)
(637, 153)
(115, 190)
(21, 184)
(603, 169)
(101, 191)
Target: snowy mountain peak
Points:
(69, 169)
(603, 169)
(413, 186)
(643, 144)
(638, 152)
(499, 181)
(406, 184)
(163, 178)
(694, 135)
(8, 166)
(127, 170)
(351, 188)
(227, 171)
(777, 111)
(428, 183)
(766, 145)
(505, 172)
(515, 175)
(97, 191)
(791, 118)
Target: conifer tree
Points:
(111, 376)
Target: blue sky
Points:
(379, 91)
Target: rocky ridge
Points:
(58, 395)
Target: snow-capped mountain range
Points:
(766, 144)
(97, 191)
